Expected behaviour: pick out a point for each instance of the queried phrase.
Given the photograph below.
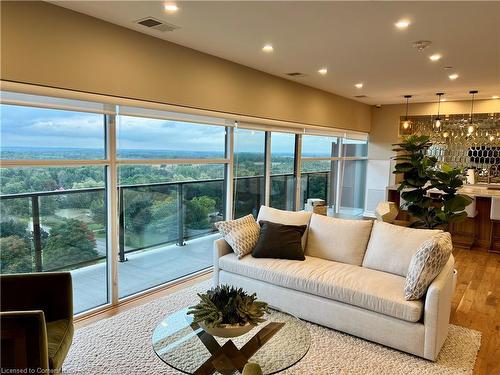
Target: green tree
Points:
(69, 242)
(98, 211)
(15, 255)
(137, 211)
(197, 211)
(13, 227)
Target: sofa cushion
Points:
(362, 287)
(286, 217)
(241, 234)
(279, 241)
(426, 264)
(338, 239)
(391, 247)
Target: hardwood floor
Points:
(476, 303)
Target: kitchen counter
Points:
(477, 230)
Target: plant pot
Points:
(227, 330)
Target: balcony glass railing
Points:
(149, 215)
(66, 229)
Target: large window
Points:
(125, 198)
(353, 187)
(162, 219)
(164, 207)
(282, 179)
(320, 157)
(334, 169)
(53, 218)
(148, 138)
(249, 168)
(39, 133)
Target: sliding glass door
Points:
(171, 192)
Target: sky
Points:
(38, 127)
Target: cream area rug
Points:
(121, 345)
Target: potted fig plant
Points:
(421, 174)
(226, 311)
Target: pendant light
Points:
(437, 121)
(406, 122)
(470, 129)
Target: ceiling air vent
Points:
(360, 96)
(295, 74)
(153, 23)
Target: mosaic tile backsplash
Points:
(462, 143)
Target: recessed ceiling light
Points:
(170, 7)
(323, 71)
(453, 76)
(402, 24)
(495, 97)
(359, 85)
(268, 48)
(435, 57)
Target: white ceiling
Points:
(356, 41)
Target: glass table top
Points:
(276, 344)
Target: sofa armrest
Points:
(437, 309)
(24, 341)
(51, 292)
(221, 248)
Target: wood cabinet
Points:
(470, 232)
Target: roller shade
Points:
(172, 116)
(268, 128)
(45, 97)
(16, 98)
(299, 129)
(357, 136)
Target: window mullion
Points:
(229, 174)
(112, 209)
(297, 170)
(340, 177)
(267, 169)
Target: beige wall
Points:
(48, 45)
(385, 121)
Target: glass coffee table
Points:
(276, 344)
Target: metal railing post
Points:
(121, 224)
(180, 210)
(267, 170)
(297, 170)
(308, 194)
(37, 232)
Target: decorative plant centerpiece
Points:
(226, 311)
(420, 174)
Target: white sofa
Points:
(352, 280)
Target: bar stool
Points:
(495, 219)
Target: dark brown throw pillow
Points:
(279, 241)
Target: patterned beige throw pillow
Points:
(241, 234)
(426, 264)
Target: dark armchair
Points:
(36, 320)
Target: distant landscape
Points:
(73, 225)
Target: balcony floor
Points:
(143, 269)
